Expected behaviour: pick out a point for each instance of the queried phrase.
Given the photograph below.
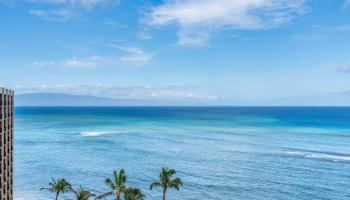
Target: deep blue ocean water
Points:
(222, 153)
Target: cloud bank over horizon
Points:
(135, 92)
(180, 95)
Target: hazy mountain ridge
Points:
(60, 99)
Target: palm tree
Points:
(117, 185)
(133, 194)
(58, 186)
(166, 181)
(82, 194)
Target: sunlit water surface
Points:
(220, 153)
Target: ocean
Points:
(221, 153)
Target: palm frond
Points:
(83, 194)
(108, 181)
(122, 177)
(115, 176)
(175, 183)
(133, 194)
(48, 189)
(105, 195)
(155, 184)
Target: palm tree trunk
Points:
(57, 193)
(118, 196)
(164, 192)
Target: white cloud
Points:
(113, 24)
(144, 35)
(43, 63)
(323, 28)
(311, 37)
(88, 62)
(193, 36)
(84, 4)
(76, 62)
(345, 27)
(81, 46)
(128, 56)
(136, 56)
(345, 68)
(60, 15)
(137, 92)
(133, 55)
(198, 18)
(64, 10)
(321, 32)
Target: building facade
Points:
(6, 144)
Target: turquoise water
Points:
(220, 153)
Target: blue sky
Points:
(225, 52)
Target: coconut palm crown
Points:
(167, 181)
(133, 194)
(117, 185)
(58, 186)
(82, 194)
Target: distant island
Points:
(61, 99)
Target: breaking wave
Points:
(93, 133)
(319, 155)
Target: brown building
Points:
(6, 144)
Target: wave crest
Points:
(93, 133)
(319, 155)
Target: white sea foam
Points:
(93, 133)
(319, 155)
(294, 153)
(329, 157)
